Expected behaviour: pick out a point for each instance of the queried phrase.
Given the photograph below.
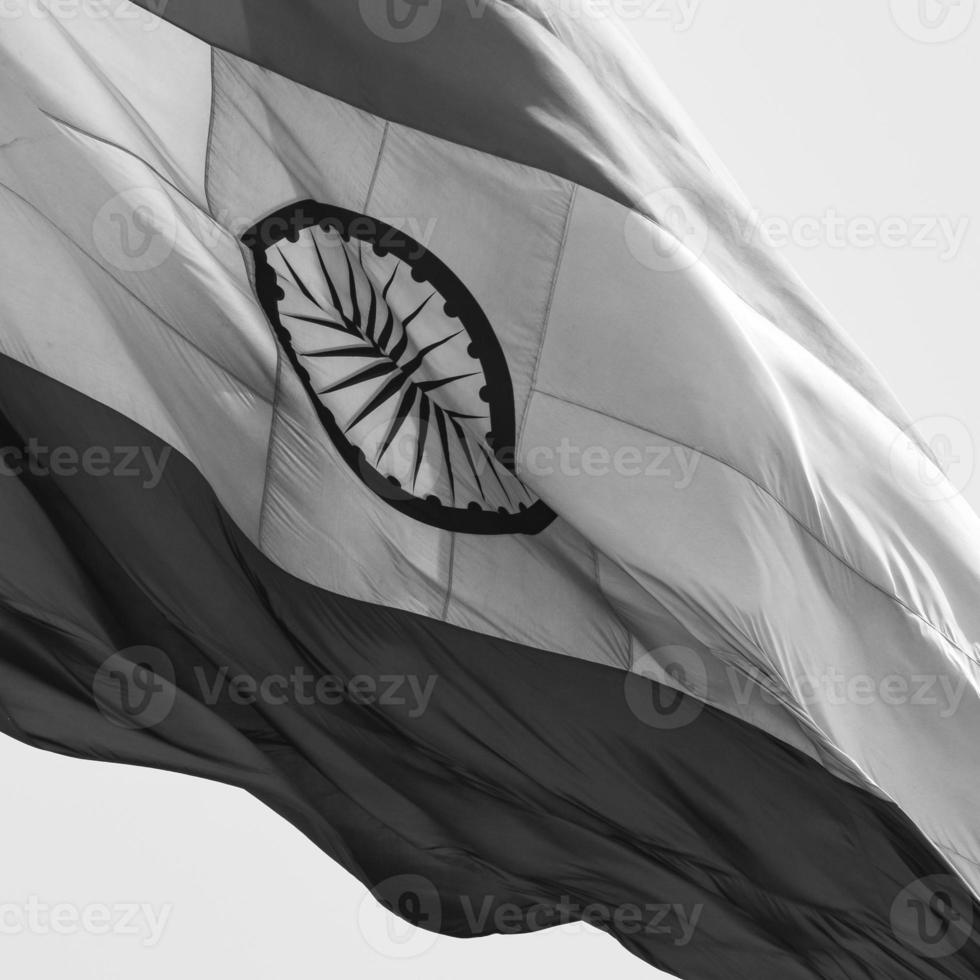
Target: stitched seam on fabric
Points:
(546, 321)
(451, 558)
(613, 612)
(382, 145)
(959, 854)
(271, 448)
(758, 676)
(46, 617)
(135, 156)
(210, 137)
(782, 506)
(169, 326)
(451, 570)
(273, 424)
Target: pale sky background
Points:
(821, 109)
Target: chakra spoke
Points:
(461, 415)
(386, 330)
(428, 386)
(493, 468)
(334, 295)
(444, 439)
(296, 278)
(378, 370)
(401, 414)
(388, 391)
(461, 435)
(373, 309)
(423, 432)
(399, 348)
(359, 350)
(391, 279)
(411, 316)
(319, 321)
(415, 363)
(352, 285)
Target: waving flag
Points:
(373, 440)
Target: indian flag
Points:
(399, 420)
